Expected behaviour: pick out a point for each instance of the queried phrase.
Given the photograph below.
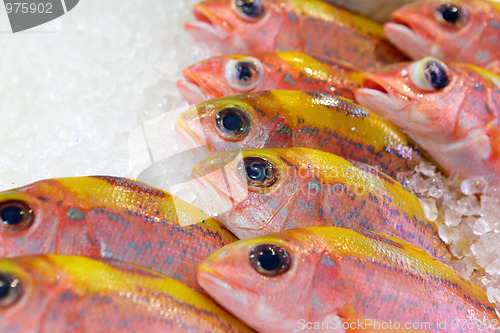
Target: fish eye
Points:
(243, 74)
(249, 9)
(270, 259)
(15, 216)
(259, 172)
(429, 74)
(10, 289)
(450, 14)
(232, 123)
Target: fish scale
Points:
(347, 276)
(111, 217)
(315, 188)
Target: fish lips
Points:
(376, 97)
(194, 90)
(207, 28)
(224, 291)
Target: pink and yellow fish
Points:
(269, 190)
(53, 293)
(280, 118)
(109, 217)
(459, 31)
(234, 74)
(452, 111)
(313, 27)
(327, 279)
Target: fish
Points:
(465, 31)
(314, 27)
(270, 190)
(451, 110)
(244, 73)
(330, 279)
(54, 293)
(280, 118)
(109, 217)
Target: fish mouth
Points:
(207, 26)
(217, 200)
(377, 97)
(190, 134)
(402, 33)
(232, 295)
(192, 89)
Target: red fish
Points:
(109, 217)
(234, 74)
(452, 111)
(312, 26)
(268, 190)
(56, 294)
(460, 31)
(291, 118)
(326, 279)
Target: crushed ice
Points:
(469, 212)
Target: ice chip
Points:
(426, 169)
(469, 206)
(490, 210)
(464, 267)
(447, 234)
(474, 185)
(486, 249)
(429, 207)
(452, 217)
(494, 267)
(482, 226)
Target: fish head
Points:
(234, 122)
(236, 74)
(223, 76)
(28, 216)
(256, 188)
(26, 284)
(421, 98)
(236, 25)
(265, 281)
(449, 30)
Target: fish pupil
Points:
(450, 13)
(269, 260)
(244, 72)
(231, 122)
(436, 75)
(10, 290)
(250, 8)
(256, 171)
(12, 215)
(4, 288)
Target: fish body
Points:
(451, 110)
(338, 280)
(458, 31)
(300, 119)
(235, 74)
(270, 190)
(53, 293)
(313, 27)
(109, 217)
